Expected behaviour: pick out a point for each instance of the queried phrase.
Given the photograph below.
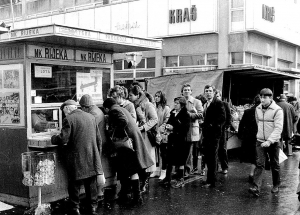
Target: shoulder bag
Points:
(125, 142)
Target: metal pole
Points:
(134, 70)
(12, 12)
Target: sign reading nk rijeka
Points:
(54, 53)
(93, 57)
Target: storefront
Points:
(40, 68)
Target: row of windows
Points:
(250, 58)
(146, 63)
(192, 60)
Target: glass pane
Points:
(256, 59)
(248, 58)
(237, 3)
(237, 57)
(5, 12)
(237, 16)
(44, 120)
(4, 2)
(68, 3)
(151, 62)
(171, 61)
(141, 64)
(118, 64)
(38, 6)
(212, 59)
(265, 61)
(298, 66)
(62, 83)
(192, 60)
(283, 64)
(80, 2)
(54, 5)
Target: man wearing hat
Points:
(289, 118)
(87, 105)
(269, 119)
(81, 136)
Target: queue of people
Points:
(119, 138)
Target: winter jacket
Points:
(195, 110)
(269, 122)
(163, 115)
(289, 118)
(130, 107)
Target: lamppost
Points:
(133, 59)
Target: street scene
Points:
(149, 107)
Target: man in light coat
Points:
(195, 110)
(269, 118)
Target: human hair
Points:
(256, 100)
(209, 86)
(218, 92)
(181, 100)
(202, 98)
(136, 83)
(184, 86)
(119, 90)
(163, 99)
(266, 92)
(136, 90)
(109, 102)
(72, 107)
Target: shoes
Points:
(254, 191)
(165, 182)
(275, 189)
(225, 171)
(74, 212)
(144, 186)
(208, 184)
(179, 183)
(195, 170)
(202, 173)
(162, 174)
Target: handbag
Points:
(295, 140)
(125, 142)
(152, 136)
(282, 156)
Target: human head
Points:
(218, 94)
(68, 106)
(136, 83)
(179, 102)
(119, 93)
(256, 100)
(86, 101)
(282, 97)
(186, 90)
(202, 98)
(209, 91)
(108, 103)
(160, 98)
(134, 93)
(266, 96)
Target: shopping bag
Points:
(282, 156)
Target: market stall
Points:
(40, 68)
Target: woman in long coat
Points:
(247, 133)
(146, 119)
(128, 160)
(178, 149)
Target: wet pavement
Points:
(229, 197)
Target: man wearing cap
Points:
(269, 119)
(87, 105)
(289, 118)
(81, 136)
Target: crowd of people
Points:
(137, 136)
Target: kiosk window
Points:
(57, 83)
(44, 120)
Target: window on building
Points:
(237, 58)
(247, 57)
(151, 62)
(283, 64)
(171, 61)
(237, 16)
(81, 2)
(212, 59)
(40, 6)
(118, 64)
(256, 59)
(141, 64)
(298, 66)
(192, 60)
(237, 3)
(5, 10)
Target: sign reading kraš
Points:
(268, 13)
(184, 15)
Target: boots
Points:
(162, 174)
(137, 199)
(179, 182)
(167, 180)
(124, 196)
(109, 196)
(144, 181)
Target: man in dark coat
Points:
(87, 105)
(289, 118)
(81, 136)
(214, 119)
(222, 152)
(129, 162)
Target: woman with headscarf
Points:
(247, 133)
(146, 119)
